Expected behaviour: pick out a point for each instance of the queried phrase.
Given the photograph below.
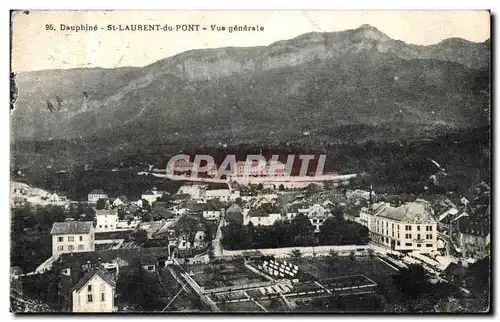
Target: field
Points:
(351, 282)
(321, 268)
(223, 275)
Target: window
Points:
(71, 247)
(89, 298)
(71, 238)
(60, 239)
(80, 247)
(428, 228)
(386, 224)
(428, 245)
(81, 238)
(89, 288)
(428, 236)
(106, 226)
(409, 244)
(419, 245)
(102, 297)
(408, 236)
(418, 236)
(418, 228)
(315, 221)
(398, 226)
(408, 228)
(60, 248)
(100, 226)
(386, 239)
(399, 244)
(398, 235)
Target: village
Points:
(233, 246)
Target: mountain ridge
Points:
(209, 85)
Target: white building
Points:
(211, 214)
(410, 227)
(259, 218)
(72, 237)
(95, 292)
(120, 201)
(223, 195)
(196, 191)
(107, 220)
(317, 214)
(152, 195)
(199, 241)
(97, 194)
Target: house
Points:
(152, 195)
(121, 202)
(97, 194)
(234, 214)
(223, 195)
(212, 210)
(17, 201)
(195, 191)
(199, 241)
(317, 214)
(409, 227)
(94, 292)
(149, 263)
(474, 237)
(72, 237)
(211, 214)
(107, 220)
(265, 215)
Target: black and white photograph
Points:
(245, 161)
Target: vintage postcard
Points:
(250, 161)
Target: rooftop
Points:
(416, 211)
(95, 271)
(106, 212)
(474, 226)
(97, 192)
(71, 228)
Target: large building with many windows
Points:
(72, 237)
(410, 227)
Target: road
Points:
(216, 242)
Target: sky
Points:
(35, 46)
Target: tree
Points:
(101, 204)
(302, 228)
(140, 236)
(412, 281)
(332, 259)
(352, 256)
(295, 254)
(274, 304)
(312, 189)
(145, 204)
(141, 288)
(211, 254)
(281, 187)
(371, 253)
(188, 226)
(328, 185)
(260, 186)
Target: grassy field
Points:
(222, 275)
(372, 268)
(320, 268)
